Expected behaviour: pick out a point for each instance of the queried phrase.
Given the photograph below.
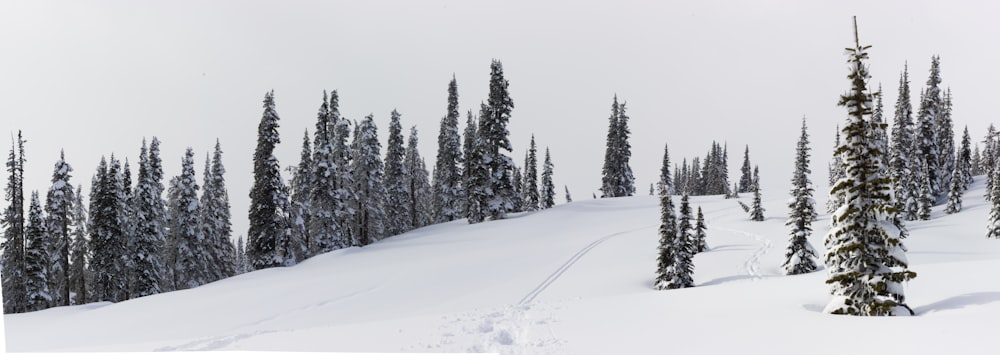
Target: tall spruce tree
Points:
(698, 238)
(398, 204)
(496, 198)
(108, 261)
(150, 229)
(59, 220)
(955, 193)
(665, 185)
(925, 198)
(617, 180)
(448, 192)
(666, 262)
(216, 219)
(240, 258)
(548, 193)
(684, 248)
(14, 294)
(418, 184)
(296, 246)
(928, 132)
(756, 209)
(191, 263)
(158, 217)
(343, 176)
(964, 161)
(946, 144)
(531, 198)
(472, 174)
(370, 216)
(989, 159)
(836, 173)
(268, 196)
(977, 168)
(746, 179)
(324, 231)
(36, 258)
(517, 181)
(901, 157)
(993, 226)
(865, 255)
(800, 257)
(78, 274)
(127, 221)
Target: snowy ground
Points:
(575, 279)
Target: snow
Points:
(574, 279)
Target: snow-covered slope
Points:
(575, 279)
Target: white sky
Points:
(96, 77)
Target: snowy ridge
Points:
(574, 279)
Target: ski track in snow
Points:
(752, 265)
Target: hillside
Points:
(574, 279)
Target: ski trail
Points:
(752, 265)
(569, 263)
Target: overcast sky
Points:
(96, 77)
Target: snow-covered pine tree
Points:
(472, 173)
(448, 192)
(682, 178)
(800, 257)
(59, 215)
(617, 180)
(157, 217)
(902, 155)
(343, 176)
(665, 185)
(493, 139)
(989, 159)
(993, 226)
(696, 184)
(927, 133)
(684, 247)
(370, 213)
(531, 198)
(666, 261)
(268, 196)
(756, 209)
(36, 258)
(127, 222)
(150, 229)
(107, 236)
(836, 172)
(14, 295)
(608, 171)
(517, 181)
(926, 198)
(700, 245)
(190, 267)
(977, 168)
(78, 274)
(568, 197)
(955, 192)
(746, 178)
(240, 258)
(417, 183)
(216, 219)
(324, 232)
(548, 193)
(882, 137)
(296, 246)
(965, 159)
(865, 255)
(946, 143)
(399, 217)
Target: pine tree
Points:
(398, 194)
(150, 228)
(345, 196)
(127, 222)
(964, 161)
(448, 192)
(617, 180)
(865, 256)
(667, 261)
(568, 197)
(756, 210)
(665, 185)
(78, 275)
(190, 267)
(976, 167)
(324, 230)
(240, 259)
(517, 181)
(108, 261)
(800, 257)
(14, 294)
(946, 143)
(931, 108)
(417, 183)
(988, 163)
(370, 216)
(902, 154)
(269, 196)
(993, 226)
(746, 179)
(684, 248)
(696, 185)
(157, 217)
(548, 193)
(926, 199)
(36, 258)
(531, 197)
(836, 173)
(472, 173)
(496, 198)
(296, 246)
(699, 233)
(59, 214)
(955, 193)
(216, 219)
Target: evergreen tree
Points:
(836, 173)
(345, 195)
(473, 174)
(216, 219)
(865, 256)
(746, 179)
(370, 216)
(517, 181)
(928, 133)
(988, 163)
(78, 275)
(36, 258)
(156, 218)
(617, 180)
(976, 167)
(127, 222)
(448, 192)
(756, 210)
(324, 231)
(568, 197)
(418, 184)
(14, 293)
(269, 196)
(608, 171)
(496, 198)
(699, 233)
(946, 143)
(108, 261)
(59, 215)
(296, 247)
(684, 248)
(696, 185)
(926, 199)
(955, 193)
(240, 259)
(800, 257)
(531, 188)
(901, 161)
(994, 222)
(150, 228)
(191, 264)
(665, 185)
(964, 163)
(398, 204)
(667, 261)
(881, 138)
(548, 193)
